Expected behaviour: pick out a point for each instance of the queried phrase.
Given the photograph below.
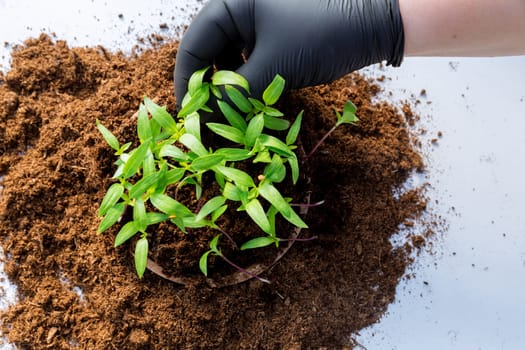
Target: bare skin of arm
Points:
(464, 27)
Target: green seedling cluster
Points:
(172, 154)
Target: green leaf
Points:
(216, 91)
(275, 145)
(263, 157)
(238, 99)
(255, 128)
(192, 222)
(143, 126)
(294, 167)
(218, 212)
(161, 116)
(234, 118)
(192, 125)
(258, 215)
(258, 242)
(135, 160)
(108, 136)
(206, 162)
(193, 144)
(259, 106)
(148, 165)
(238, 176)
(291, 137)
(112, 196)
(272, 112)
(169, 205)
(348, 116)
(126, 232)
(213, 245)
(234, 154)
(272, 195)
(197, 101)
(274, 90)
(141, 256)
(175, 175)
(210, 206)
(155, 218)
(275, 171)
(139, 215)
(173, 152)
(203, 263)
(277, 124)
(226, 131)
(226, 77)
(112, 216)
(196, 80)
(143, 185)
(123, 148)
(232, 192)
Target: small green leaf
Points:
(348, 116)
(141, 256)
(255, 128)
(238, 99)
(203, 263)
(258, 242)
(112, 216)
(216, 92)
(197, 101)
(294, 167)
(143, 126)
(126, 232)
(258, 105)
(234, 154)
(161, 116)
(173, 152)
(272, 112)
(193, 144)
(175, 175)
(192, 125)
(143, 185)
(258, 215)
(135, 160)
(238, 176)
(274, 90)
(277, 124)
(196, 80)
(148, 165)
(169, 205)
(291, 137)
(139, 215)
(263, 157)
(232, 192)
(232, 116)
(350, 108)
(275, 171)
(210, 206)
(228, 132)
(206, 162)
(218, 212)
(155, 218)
(275, 145)
(112, 196)
(226, 77)
(272, 195)
(213, 245)
(108, 136)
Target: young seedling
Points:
(348, 117)
(172, 155)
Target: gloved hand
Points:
(308, 42)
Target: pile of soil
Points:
(76, 290)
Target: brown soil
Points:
(56, 169)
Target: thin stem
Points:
(227, 236)
(320, 142)
(251, 274)
(301, 239)
(307, 205)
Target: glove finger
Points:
(259, 71)
(209, 35)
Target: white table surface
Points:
(470, 292)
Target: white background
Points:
(470, 292)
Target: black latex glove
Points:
(308, 42)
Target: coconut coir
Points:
(77, 291)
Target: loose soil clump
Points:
(77, 291)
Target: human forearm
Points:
(463, 27)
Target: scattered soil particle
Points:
(77, 291)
